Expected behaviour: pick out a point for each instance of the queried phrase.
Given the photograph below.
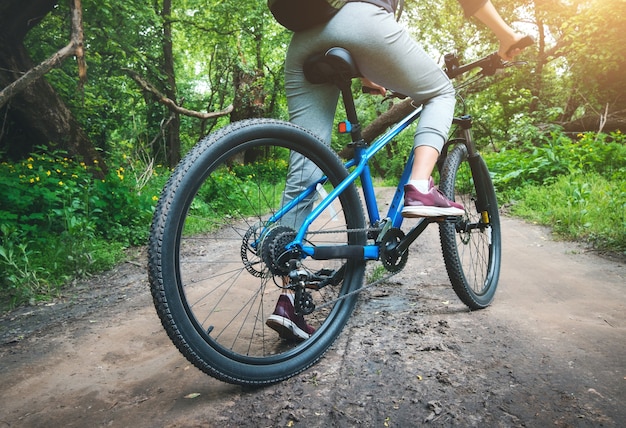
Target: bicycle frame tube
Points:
(295, 201)
(395, 209)
(361, 169)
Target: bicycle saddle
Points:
(334, 66)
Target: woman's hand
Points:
(372, 88)
(505, 51)
(489, 16)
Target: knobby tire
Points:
(471, 247)
(212, 286)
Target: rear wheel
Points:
(216, 262)
(471, 243)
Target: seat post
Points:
(345, 86)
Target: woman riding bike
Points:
(385, 53)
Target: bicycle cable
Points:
(365, 287)
(352, 293)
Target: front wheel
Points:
(471, 243)
(219, 233)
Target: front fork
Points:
(480, 174)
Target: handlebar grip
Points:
(524, 42)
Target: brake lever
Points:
(495, 63)
(515, 63)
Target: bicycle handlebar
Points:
(489, 64)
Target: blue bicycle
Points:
(216, 277)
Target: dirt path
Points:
(550, 351)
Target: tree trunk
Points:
(249, 102)
(536, 84)
(36, 116)
(172, 131)
(596, 123)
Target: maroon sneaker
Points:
(285, 321)
(431, 204)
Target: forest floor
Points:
(550, 351)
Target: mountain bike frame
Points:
(359, 166)
(337, 66)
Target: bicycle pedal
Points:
(440, 219)
(450, 218)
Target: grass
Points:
(58, 223)
(582, 207)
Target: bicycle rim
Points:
(212, 249)
(471, 244)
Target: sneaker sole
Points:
(286, 328)
(424, 211)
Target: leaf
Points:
(193, 395)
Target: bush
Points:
(585, 207)
(59, 222)
(576, 186)
(555, 154)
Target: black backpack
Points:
(299, 15)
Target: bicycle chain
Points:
(365, 229)
(352, 293)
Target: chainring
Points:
(391, 260)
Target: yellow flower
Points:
(155, 198)
(60, 183)
(95, 161)
(32, 180)
(30, 166)
(48, 173)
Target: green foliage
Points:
(58, 222)
(23, 280)
(576, 186)
(215, 201)
(61, 223)
(579, 206)
(550, 155)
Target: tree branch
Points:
(171, 104)
(75, 47)
(77, 42)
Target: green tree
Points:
(579, 63)
(36, 115)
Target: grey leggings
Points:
(386, 54)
